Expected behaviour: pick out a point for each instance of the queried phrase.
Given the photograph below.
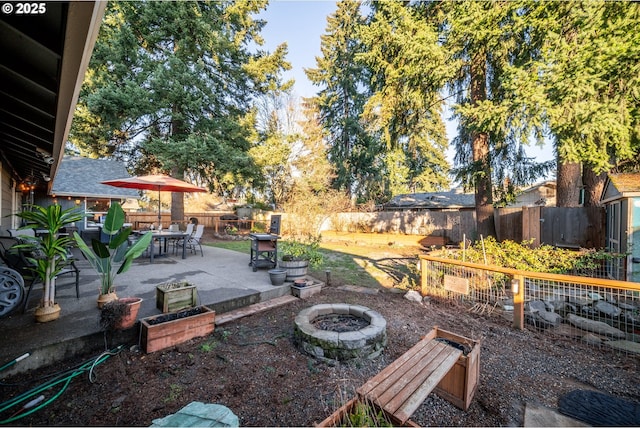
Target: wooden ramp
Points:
(403, 385)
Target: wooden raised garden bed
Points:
(166, 330)
(175, 296)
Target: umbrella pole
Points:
(159, 213)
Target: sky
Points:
(300, 23)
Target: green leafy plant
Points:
(52, 248)
(307, 249)
(258, 227)
(522, 256)
(116, 256)
(365, 415)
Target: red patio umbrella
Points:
(161, 183)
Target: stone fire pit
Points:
(339, 331)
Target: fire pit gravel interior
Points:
(363, 332)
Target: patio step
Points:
(253, 309)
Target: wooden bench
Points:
(403, 385)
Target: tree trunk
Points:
(593, 186)
(568, 182)
(481, 155)
(177, 198)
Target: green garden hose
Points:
(34, 399)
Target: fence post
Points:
(517, 287)
(423, 277)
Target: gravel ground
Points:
(253, 367)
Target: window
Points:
(97, 207)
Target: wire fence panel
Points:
(601, 312)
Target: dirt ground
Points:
(253, 367)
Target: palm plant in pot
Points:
(49, 252)
(298, 255)
(114, 257)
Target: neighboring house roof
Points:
(433, 200)
(542, 194)
(621, 186)
(81, 177)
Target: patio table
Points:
(163, 236)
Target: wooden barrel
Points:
(296, 269)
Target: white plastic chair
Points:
(196, 239)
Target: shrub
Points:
(307, 249)
(522, 256)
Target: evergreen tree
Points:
(405, 108)
(353, 151)
(170, 87)
(591, 76)
(490, 49)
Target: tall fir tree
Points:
(405, 108)
(489, 49)
(591, 76)
(170, 88)
(353, 151)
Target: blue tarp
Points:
(198, 414)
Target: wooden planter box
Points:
(339, 418)
(166, 330)
(175, 296)
(461, 383)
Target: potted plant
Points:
(116, 255)
(49, 251)
(120, 314)
(297, 256)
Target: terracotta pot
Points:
(106, 298)
(47, 313)
(129, 320)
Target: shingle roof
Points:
(80, 177)
(626, 183)
(433, 200)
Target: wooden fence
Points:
(579, 227)
(219, 222)
(564, 227)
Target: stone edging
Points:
(329, 346)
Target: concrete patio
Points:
(224, 281)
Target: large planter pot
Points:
(166, 330)
(277, 276)
(296, 269)
(129, 319)
(103, 299)
(47, 313)
(174, 296)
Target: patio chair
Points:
(196, 239)
(177, 242)
(22, 232)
